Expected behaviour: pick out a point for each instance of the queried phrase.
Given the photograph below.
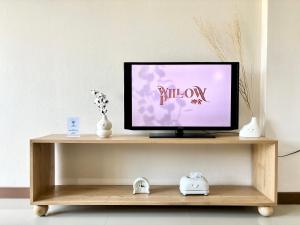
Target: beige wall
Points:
(53, 52)
(283, 92)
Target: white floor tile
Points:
(19, 212)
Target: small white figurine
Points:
(141, 186)
(251, 130)
(194, 184)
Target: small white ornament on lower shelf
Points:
(141, 186)
(194, 184)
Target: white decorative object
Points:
(194, 184)
(104, 125)
(251, 129)
(141, 186)
(73, 127)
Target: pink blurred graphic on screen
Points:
(181, 95)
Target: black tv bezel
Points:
(128, 97)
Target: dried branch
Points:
(210, 35)
(101, 101)
(235, 35)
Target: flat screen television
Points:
(181, 96)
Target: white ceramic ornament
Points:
(251, 129)
(194, 184)
(104, 127)
(141, 186)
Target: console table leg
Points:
(40, 210)
(265, 210)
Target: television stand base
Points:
(181, 134)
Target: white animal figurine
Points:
(141, 186)
(251, 130)
(194, 184)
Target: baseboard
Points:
(23, 192)
(14, 192)
(288, 198)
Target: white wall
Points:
(53, 52)
(283, 92)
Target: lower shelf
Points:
(160, 195)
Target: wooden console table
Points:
(44, 192)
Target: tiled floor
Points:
(19, 212)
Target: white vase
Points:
(251, 129)
(104, 127)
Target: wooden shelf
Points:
(44, 192)
(160, 195)
(132, 139)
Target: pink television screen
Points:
(188, 95)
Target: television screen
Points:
(195, 95)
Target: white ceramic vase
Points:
(251, 129)
(104, 127)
